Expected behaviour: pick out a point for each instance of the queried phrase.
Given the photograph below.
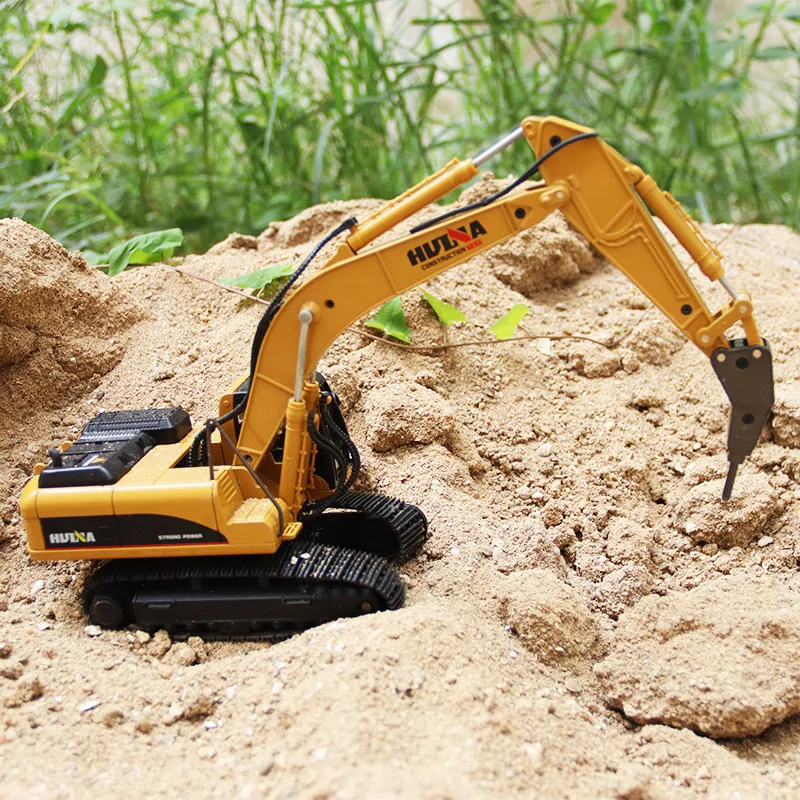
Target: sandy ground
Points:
(586, 620)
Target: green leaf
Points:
(391, 320)
(710, 90)
(143, 257)
(86, 90)
(260, 280)
(93, 258)
(506, 326)
(776, 53)
(447, 314)
(148, 244)
(598, 12)
(98, 74)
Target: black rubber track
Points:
(297, 568)
(371, 523)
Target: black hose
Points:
(352, 454)
(197, 455)
(310, 508)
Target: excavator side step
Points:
(372, 523)
(253, 597)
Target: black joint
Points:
(686, 310)
(519, 213)
(555, 141)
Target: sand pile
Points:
(60, 320)
(585, 605)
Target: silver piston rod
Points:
(491, 152)
(306, 317)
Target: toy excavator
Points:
(246, 525)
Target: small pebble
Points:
(37, 586)
(174, 713)
(12, 671)
(534, 752)
(93, 630)
(91, 703)
(266, 766)
(544, 450)
(764, 541)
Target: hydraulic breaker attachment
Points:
(745, 372)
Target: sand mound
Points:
(571, 491)
(60, 322)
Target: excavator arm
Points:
(598, 191)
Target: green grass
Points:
(121, 117)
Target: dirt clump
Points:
(549, 255)
(621, 588)
(405, 413)
(526, 545)
(316, 221)
(705, 517)
(651, 342)
(550, 618)
(627, 542)
(720, 659)
(234, 241)
(786, 415)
